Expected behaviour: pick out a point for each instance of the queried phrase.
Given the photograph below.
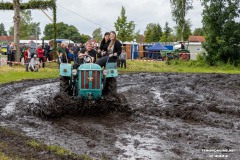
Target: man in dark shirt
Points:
(88, 51)
(76, 49)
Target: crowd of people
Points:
(109, 50)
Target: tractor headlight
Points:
(74, 72)
(105, 72)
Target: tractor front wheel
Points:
(65, 85)
(111, 86)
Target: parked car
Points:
(3, 50)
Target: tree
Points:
(2, 30)
(187, 31)
(32, 4)
(125, 30)
(64, 31)
(83, 38)
(27, 27)
(166, 35)
(97, 34)
(179, 11)
(222, 31)
(198, 32)
(153, 32)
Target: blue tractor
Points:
(88, 81)
(85, 89)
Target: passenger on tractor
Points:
(114, 50)
(87, 52)
(182, 45)
(103, 50)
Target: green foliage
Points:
(153, 32)
(97, 34)
(138, 37)
(198, 32)
(64, 31)
(32, 4)
(27, 27)
(179, 10)
(125, 30)
(2, 30)
(4, 157)
(166, 35)
(83, 39)
(222, 31)
(187, 31)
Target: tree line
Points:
(221, 29)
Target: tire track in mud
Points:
(174, 116)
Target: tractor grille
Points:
(90, 79)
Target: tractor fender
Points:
(65, 70)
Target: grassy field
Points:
(17, 73)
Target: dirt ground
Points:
(169, 116)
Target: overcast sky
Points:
(105, 12)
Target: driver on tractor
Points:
(83, 56)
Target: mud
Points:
(168, 116)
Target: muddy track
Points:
(173, 116)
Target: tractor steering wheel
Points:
(87, 59)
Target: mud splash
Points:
(173, 116)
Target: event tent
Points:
(157, 47)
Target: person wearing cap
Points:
(34, 64)
(27, 57)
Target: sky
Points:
(87, 15)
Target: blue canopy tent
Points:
(155, 48)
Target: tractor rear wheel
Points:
(65, 85)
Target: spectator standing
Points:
(27, 57)
(49, 51)
(12, 53)
(76, 50)
(123, 58)
(22, 50)
(8, 52)
(62, 55)
(69, 52)
(40, 54)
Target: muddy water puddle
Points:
(174, 116)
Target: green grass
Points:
(177, 66)
(62, 152)
(4, 157)
(10, 138)
(17, 73)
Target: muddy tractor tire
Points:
(65, 85)
(111, 86)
